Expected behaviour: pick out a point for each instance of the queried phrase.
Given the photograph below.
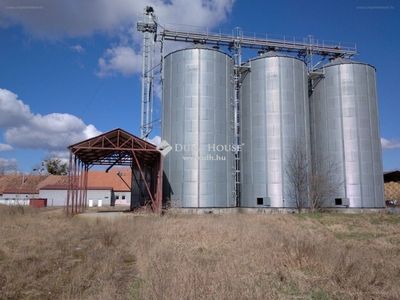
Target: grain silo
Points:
(197, 123)
(345, 128)
(275, 117)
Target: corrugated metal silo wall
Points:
(345, 128)
(275, 116)
(197, 123)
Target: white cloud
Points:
(120, 59)
(58, 19)
(8, 165)
(390, 144)
(13, 111)
(77, 48)
(5, 147)
(158, 89)
(63, 156)
(54, 131)
(155, 140)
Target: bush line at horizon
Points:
(44, 255)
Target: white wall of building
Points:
(54, 197)
(122, 198)
(58, 197)
(104, 195)
(17, 199)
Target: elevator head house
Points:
(116, 148)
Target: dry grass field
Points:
(44, 255)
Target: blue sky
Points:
(69, 70)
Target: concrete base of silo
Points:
(270, 211)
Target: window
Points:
(123, 197)
(117, 197)
(260, 201)
(338, 201)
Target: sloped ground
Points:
(43, 255)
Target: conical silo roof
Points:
(343, 61)
(197, 46)
(270, 54)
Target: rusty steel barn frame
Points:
(116, 147)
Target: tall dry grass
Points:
(320, 256)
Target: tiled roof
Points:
(22, 191)
(65, 187)
(54, 180)
(96, 179)
(55, 187)
(29, 181)
(110, 179)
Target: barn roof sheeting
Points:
(391, 176)
(114, 148)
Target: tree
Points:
(297, 171)
(324, 183)
(311, 183)
(54, 166)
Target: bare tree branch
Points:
(297, 174)
(311, 185)
(324, 183)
